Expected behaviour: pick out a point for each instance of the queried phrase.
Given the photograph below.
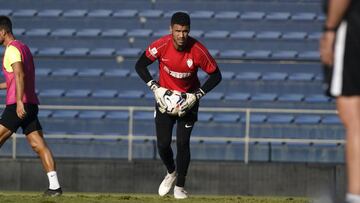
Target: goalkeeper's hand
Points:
(190, 101)
(159, 94)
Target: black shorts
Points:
(343, 79)
(29, 124)
(191, 116)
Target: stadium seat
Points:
(88, 33)
(318, 98)
(129, 52)
(278, 16)
(274, 76)
(63, 32)
(144, 115)
(301, 76)
(130, 94)
(255, 118)
(74, 52)
(227, 75)
(307, 119)
(5, 12)
(283, 119)
(294, 36)
(117, 73)
(268, 35)
(151, 13)
(81, 93)
(53, 51)
(64, 72)
(100, 13)
(237, 96)
(314, 36)
(226, 15)
(291, 97)
(125, 13)
(303, 16)
(75, 13)
(50, 13)
(139, 33)
(196, 33)
(43, 72)
(44, 113)
(52, 93)
(284, 55)
(231, 54)
(205, 117)
(217, 150)
(226, 117)
(331, 120)
(24, 13)
(252, 16)
(90, 72)
(113, 33)
(217, 96)
(119, 115)
(102, 52)
(248, 76)
(263, 97)
(309, 55)
(38, 32)
(18, 31)
(217, 34)
(91, 114)
(242, 35)
(102, 93)
(258, 54)
(33, 50)
(65, 114)
(161, 33)
(202, 14)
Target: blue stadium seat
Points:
(119, 115)
(227, 75)
(278, 16)
(227, 15)
(76, 52)
(148, 115)
(248, 76)
(263, 97)
(117, 73)
(255, 118)
(94, 72)
(217, 150)
(100, 13)
(52, 51)
(216, 34)
(50, 13)
(88, 33)
(151, 13)
(18, 31)
(102, 52)
(63, 32)
(307, 119)
(309, 55)
(284, 55)
(38, 32)
(318, 98)
(44, 113)
(274, 76)
(91, 114)
(75, 13)
(252, 16)
(301, 76)
(231, 54)
(129, 52)
(283, 119)
(214, 96)
(196, 33)
(242, 35)
(161, 33)
(291, 97)
(139, 33)
(201, 14)
(303, 16)
(64, 72)
(289, 152)
(258, 54)
(294, 35)
(52, 93)
(168, 14)
(237, 96)
(43, 71)
(314, 36)
(81, 93)
(205, 117)
(113, 33)
(65, 114)
(102, 93)
(226, 117)
(331, 120)
(130, 94)
(268, 35)
(125, 13)
(24, 13)
(5, 12)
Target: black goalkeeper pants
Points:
(164, 127)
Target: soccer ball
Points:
(173, 100)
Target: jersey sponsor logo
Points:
(153, 51)
(189, 62)
(177, 74)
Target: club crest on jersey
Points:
(153, 51)
(189, 62)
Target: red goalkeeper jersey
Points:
(178, 69)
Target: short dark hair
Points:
(5, 23)
(180, 18)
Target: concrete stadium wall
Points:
(144, 176)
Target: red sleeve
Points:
(153, 51)
(206, 61)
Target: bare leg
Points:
(38, 144)
(349, 112)
(4, 134)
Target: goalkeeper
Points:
(179, 56)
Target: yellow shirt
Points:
(11, 56)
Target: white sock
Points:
(352, 198)
(53, 180)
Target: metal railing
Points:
(247, 139)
